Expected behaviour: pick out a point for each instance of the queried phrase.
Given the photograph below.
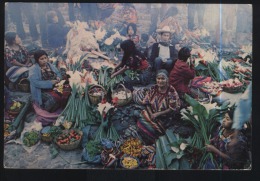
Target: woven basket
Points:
(24, 85)
(95, 99)
(13, 113)
(45, 135)
(122, 102)
(70, 146)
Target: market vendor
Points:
(17, 59)
(163, 53)
(182, 73)
(131, 31)
(229, 156)
(162, 103)
(134, 64)
(43, 76)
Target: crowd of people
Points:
(174, 69)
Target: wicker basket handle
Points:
(23, 80)
(97, 86)
(122, 85)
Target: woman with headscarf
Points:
(182, 73)
(162, 103)
(134, 64)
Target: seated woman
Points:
(182, 73)
(229, 156)
(43, 76)
(135, 61)
(17, 59)
(162, 103)
(163, 54)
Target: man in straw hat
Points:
(163, 53)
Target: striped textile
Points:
(15, 72)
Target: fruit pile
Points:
(16, 106)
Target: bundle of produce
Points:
(30, 138)
(100, 34)
(55, 131)
(243, 72)
(132, 147)
(106, 128)
(69, 139)
(129, 162)
(232, 85)
(171, 152)
(215, 73)
(105, 80)
(91, 152)
(204, 118)
(212, 88)
(79, 40)
(78, 109)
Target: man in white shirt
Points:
(164, 54)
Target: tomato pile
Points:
(68, 138)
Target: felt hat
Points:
(165, 29)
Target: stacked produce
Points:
(31, 138)
(132, 147)
(106, 128)
(68, 138)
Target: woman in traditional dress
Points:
(162, 103)
(43, 76)
(134, 65)
(228, 156)
(17, 59)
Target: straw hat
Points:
(165, 29)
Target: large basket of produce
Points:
(96, 93)
(31, 138)
(232, 86)
(46, 134)
(129, 162)
(24, 85)
(132, 147)
(15, 108)
(69, 139)
(122, 94)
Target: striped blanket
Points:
(16, 72)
